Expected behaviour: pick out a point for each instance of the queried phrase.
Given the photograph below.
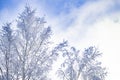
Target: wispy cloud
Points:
(94, 23)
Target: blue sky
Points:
(7, 4)
(82, 22)
(54, 4)
(62, 5)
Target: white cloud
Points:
(95, 23)
(107, 34)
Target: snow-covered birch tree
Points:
(85, 67)
(6, 52)
(25, 49)
(32, 46)
(91, 67)
(69, 68)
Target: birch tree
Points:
(85, 67)
(26, 51)
(32, 45)
(91, 67)
(69, 69)
(6, 50)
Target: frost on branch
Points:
(84, 67)
(27, 55)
